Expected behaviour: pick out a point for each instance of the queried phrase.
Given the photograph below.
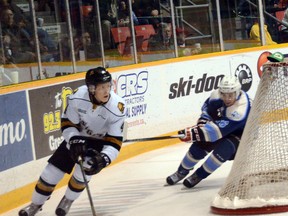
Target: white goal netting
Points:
(258, 180)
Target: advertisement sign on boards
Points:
(47, 105)
(15, 138)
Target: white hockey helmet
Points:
(230, 84)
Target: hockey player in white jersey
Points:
(92, 126)
(218, 130)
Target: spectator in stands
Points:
(108, 13)
(124, 14)
(21, 42)
(18, 12)
(41, 5)
(255, 33)
(162, 40)
(47, 45)
(48, 48)
(283, 4)
(6, 53)
(147, 11)
(245, 8)
(20, 18)
(65, 48)
(181, 35)
(271, 5)
(74, 6)
(83, 43)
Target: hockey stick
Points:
(154, 138)
(80, 160)
(125, 131)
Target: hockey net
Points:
(258, 180)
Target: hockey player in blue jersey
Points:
(92, 128)
(218, 130)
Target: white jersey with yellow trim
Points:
(94, 120)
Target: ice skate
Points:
(192, 180)
(30, 210)
(63, 207)
(174, 178)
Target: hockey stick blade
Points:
(154, 138)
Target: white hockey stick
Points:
(125, 131)
(80, 160)
(154, 138)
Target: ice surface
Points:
(135, 187)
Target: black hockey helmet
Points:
(97, 75)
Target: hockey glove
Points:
(196, 134)
(96, 162)
(77, 147)
(191, 134)
(187, 135)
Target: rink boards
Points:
(162, 97)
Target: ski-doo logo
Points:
(244, 74)
(187, 87)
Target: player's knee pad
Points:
(52, 174)
(49, 178)
(226, 149)
(78, 174)
(197, 152)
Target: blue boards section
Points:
(15, 138)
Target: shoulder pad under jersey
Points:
(81, 92)
(215, 95)
(239, 110)
(116, 104)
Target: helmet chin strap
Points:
(95, 101)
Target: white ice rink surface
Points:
(135, 187)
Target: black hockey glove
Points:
(77, 147)
(196, 134)
(96, 162)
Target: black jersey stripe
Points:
(66, 123)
